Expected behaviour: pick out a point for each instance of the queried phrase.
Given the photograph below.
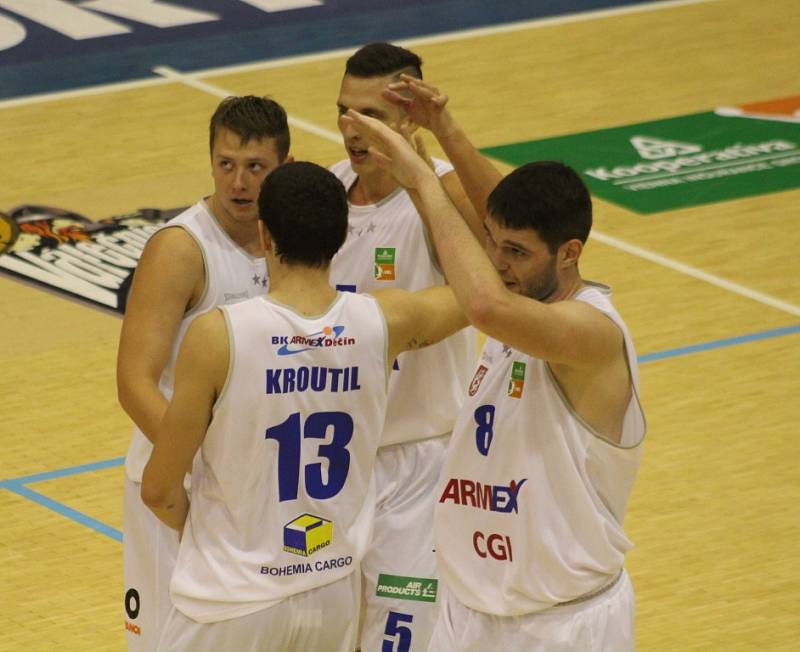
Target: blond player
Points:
(207, 256)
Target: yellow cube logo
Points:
(306, 534)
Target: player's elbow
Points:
(126, 387)
(154, 494)
(123, 393)
(484, 309)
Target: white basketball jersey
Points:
(388, 246)
(531, 499)
(282, 497)
(231, 275)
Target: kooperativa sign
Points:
(663, 165)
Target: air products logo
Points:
(421, 589)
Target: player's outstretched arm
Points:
(426, 106)
(200, 374)
(418, 319)
(170, 272)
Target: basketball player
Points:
(207, 256)
(389, 246)
(543, 456)
(285, 396)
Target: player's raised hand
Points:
(423, 103)
(392, 151)
(409, 131)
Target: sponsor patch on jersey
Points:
(421, 589)
(480, 372)
(70, 254)
(385, 263)
(517, 381)
(319, 566)
(489, 497)
(492, 545)
(307, 534)
(328, 337)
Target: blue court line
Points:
(61, 473)
(718, 344)
(17, 485)
(62, 509)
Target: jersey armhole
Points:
(231, 360)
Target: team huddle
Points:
(321, 460)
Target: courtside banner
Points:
(663, 165)
(74, 256)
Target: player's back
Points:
(281, 493)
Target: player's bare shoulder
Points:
(172, 259)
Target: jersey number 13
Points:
(289, 435)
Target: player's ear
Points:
(264, 236)
(570, 252)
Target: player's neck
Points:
(370, 188)
(304, 289)
(568, 288)
(243, 233)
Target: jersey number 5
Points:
(288, 435)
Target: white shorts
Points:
(320, 620)
(603, 623)
(399, 577)
(149, 550)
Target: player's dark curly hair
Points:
(546, 196)
(304, 207)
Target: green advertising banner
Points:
(678, 162)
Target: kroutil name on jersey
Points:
(315, 379)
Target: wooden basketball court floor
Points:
(711, 293)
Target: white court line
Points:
(601, 237)
(191, 80)
(699, 274)
(330, 54)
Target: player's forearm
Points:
(477, 174)
(144, 403)
(171, 508)
(468, 270)
(439, 316)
